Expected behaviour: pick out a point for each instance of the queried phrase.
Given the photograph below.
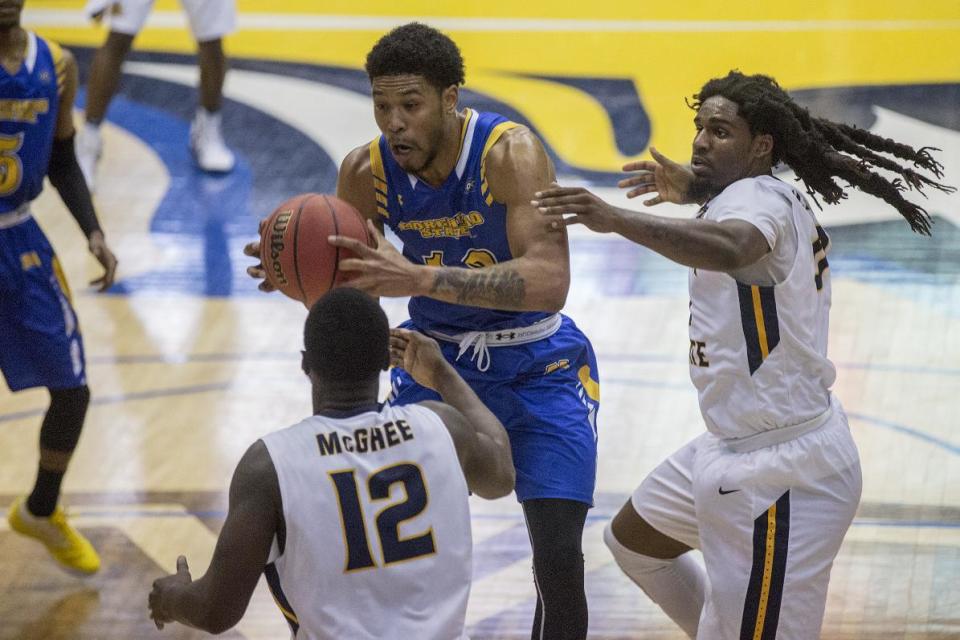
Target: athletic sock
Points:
(43, 499)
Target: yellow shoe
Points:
(66, 544)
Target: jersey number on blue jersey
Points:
(475, 259)
(11, 167)
(388, 519)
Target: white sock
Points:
(212, 117)
(678, 586)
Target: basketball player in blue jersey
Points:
(488, 282)
(40, 343)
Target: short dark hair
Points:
(346, 337)
(819, 151)
(417, 49)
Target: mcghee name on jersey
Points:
(457, 224)
(365, 439)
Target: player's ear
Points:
(762, 145)
(449, 98)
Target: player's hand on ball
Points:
(103, 254)
(582, 206)
(380, 270)
(256, 271)
(158, 598)
(668, 179)
(419, 355)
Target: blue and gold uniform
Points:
(40, 342)
(541, 377)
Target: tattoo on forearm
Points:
(501, 287)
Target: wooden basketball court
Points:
(189, 364)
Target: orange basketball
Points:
(294, 250)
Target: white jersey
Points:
(377, 522)
(758, 349)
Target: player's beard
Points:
(702, 189)
(435, 140)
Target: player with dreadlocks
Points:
(768, 492)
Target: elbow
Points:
(498, 487)
(219, 620)
(555, 295)
(505, 484)
(506, 476)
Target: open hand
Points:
(587, 209)
(419, 355)
(670, 180)
(380, 270)
(157, 600)
(257, 271)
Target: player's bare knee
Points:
(635, 534)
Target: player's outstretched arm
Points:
(67, 179)
(698, 243)
(218, 600)
(480, 439)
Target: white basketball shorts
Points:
(769, 523)
(209, 19)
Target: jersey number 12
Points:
(388, 520)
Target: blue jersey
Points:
(40, 342)
(29, 101)
(457, 224)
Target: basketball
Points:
(295, 252)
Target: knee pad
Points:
(63, 422)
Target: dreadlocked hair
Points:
(819, 150)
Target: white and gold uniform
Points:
(769, 491)
(377, 522)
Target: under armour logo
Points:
(45, 77)
(506, 336)
(467, 188)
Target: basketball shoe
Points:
(66, 544)
(207, 143)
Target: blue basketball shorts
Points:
(546, 393)
(40, 343)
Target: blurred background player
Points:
(488, 281)
(359, 515)
(769, 491)
(40, 342)
(210, 20)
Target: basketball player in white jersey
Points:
(358, 515)
(769, 491)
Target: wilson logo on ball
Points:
(277, 229)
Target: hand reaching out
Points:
(668, 179)
(419, 355)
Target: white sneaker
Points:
(207, 143)
(89, 148)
